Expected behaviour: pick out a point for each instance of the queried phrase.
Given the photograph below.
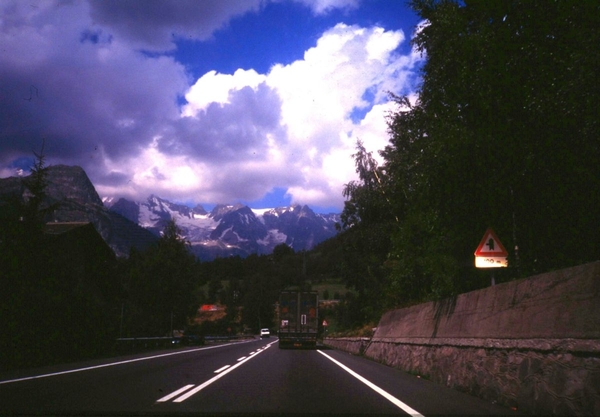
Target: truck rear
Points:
(298, 319)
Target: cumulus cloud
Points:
(79, 75)
(349, 69)
(215, 88)
(232, 131)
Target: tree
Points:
(160, 284)
(367, 199)
(504, 134)
(22, 222)
(35, 207)
(369, 213)
(282, 251)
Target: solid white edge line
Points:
(222, 369)
(174, 394)
(375, 388)
(210, 381)
(89, 368)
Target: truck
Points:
(298, 319)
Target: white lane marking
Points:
(375, 388)
(210, 381)
(241, 359)
(222, 369)
(89, 368)
(174, 394)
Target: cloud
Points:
(73, 74)
(320, 7)
(322, 90)
(80, 96)
(159, 23)
(344, 72)
(225, 152)
(232, 131)
(349, 68)
(215, 88)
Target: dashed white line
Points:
(174, 393)
(213, 379)
(89, 368)
(241, 359)
(222, 369)
(375, 388)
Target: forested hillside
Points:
(504, 134)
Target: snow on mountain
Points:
(231, 229)
(227, 230)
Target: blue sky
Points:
(204, 102)
(282, 32)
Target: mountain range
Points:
(231, 229)
(227, 230)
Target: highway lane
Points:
(120, 386)
(251, 377)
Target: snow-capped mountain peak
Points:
(231, 229)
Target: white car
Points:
(265, 333)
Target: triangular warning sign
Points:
(490, 245)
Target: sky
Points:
(259, 102)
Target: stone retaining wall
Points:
(354, 345)
(533, 344)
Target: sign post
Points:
(490, 253)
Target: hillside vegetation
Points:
(504, 134)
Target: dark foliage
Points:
(504, 135)
(55, 303)
(159, 284)
(65, 295)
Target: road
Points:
(244, 377)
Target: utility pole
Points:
(121, 325)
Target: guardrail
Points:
(137, 344)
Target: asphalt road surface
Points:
(244, 377)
